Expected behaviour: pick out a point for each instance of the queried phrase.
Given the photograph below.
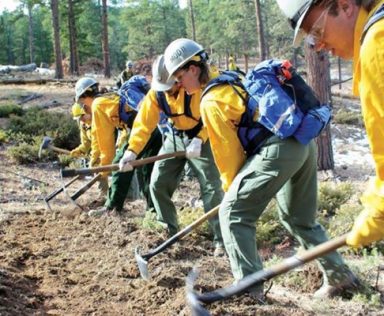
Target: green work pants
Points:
(287, 170)
(166, 177)
(121, 180)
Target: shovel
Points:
(142, 260)
(47, 143)
(115, 167)
(195, 300)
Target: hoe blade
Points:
(142, 264)
(192, 298)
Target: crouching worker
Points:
(83, 116)
(166, 97)
(252, 174)
(111, 111)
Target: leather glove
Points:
(76, 153)
(124, 163)
(368, 227)
(194, 148)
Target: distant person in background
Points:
(232, 65)
(125, 74)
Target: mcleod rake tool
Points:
(195, 300)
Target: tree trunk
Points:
(260, 30)
(319, 79)
(56, 37)
(246, 60)
(192, 15)
(30, 29)
(73, 53)
(105, 45)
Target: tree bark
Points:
(105, 45)
(56, 38)
(319, 79)
(30, 31)
(73, 52)
(192, 15)
(260, 30)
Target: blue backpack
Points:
(278, 102)
(131, 93)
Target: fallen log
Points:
(35, 81)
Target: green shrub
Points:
(24, 153)
(342, 220)
(332, 196)
(269, 230)
(7, 110)
(36, 122)
(3, 136)
(348, 118)
(65, 160)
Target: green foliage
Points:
(65, 160)
(332, 196)
(7, 110)
(342, 220)
(3, 136)
(188, 215)
(348, 118)
(25, 153)
(149, 222)
(37, 122)
(268, 227)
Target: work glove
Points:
(124, 163)
(76, 153)
(194, 148)
(368, 227)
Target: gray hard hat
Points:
(160, 76)
(179, 52)
(83, 85)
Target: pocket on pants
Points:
(254, 184)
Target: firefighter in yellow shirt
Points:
(281, 168)
(166, 97)
(344, 29)
(83, 116)
(109, 113)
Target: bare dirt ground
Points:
(61, 262)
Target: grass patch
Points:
(38, 122)
(348, 118)
(332, 196)
(10, 109)
(3, 136)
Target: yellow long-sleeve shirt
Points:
(221, 110)
(368, 83)
(149, 115)
(105, 119)
(85, 141)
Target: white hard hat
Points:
(296, 11)
(129, 64)
(83, 85)
(160, 76)
(179, 52)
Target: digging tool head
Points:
(44, 144)
(192, 298)
(142, 264)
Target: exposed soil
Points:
(62, 262)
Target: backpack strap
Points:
(378, 15)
